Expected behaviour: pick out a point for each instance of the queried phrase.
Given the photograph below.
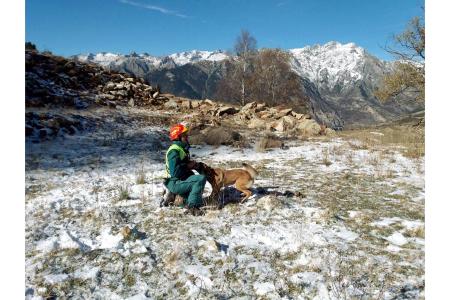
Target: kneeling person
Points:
(180, 178)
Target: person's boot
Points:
(167, 197)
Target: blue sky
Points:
(164, 27)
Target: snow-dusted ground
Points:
(327, 221)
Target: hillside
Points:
(334, 215)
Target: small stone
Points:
(268, 202)
(126, 231)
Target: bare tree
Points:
(273, 78)
(408, 75)
(229, 87)
(245, 48)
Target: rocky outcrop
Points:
(55, 82)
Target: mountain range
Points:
(338, 79)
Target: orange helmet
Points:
(176, 131)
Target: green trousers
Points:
(190, 189)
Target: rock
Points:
(283, 112)
(260, 107)
(171, 104)
(330, 132)
(126, 232)
(53, 123)
(256, 123)
(109, 86)
(155, 95)
(268, 202)
(308, 127)
(249, 106)
(42, 133)
(122, 93)
(111, 104)
(105, 96)
(226, 110)
(186, 104)
(209, 102)
(209, 245)
(268, 142)
(290, 121)
(131, 102)
(28, 130)
(298, 116)
(129, 79)
(221, 136)
(279, 125)
(195, 104)
(265, 115)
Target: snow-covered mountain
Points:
(177, 59)
(330, 64)
(338, 78)
(333, 63)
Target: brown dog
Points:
(242, 178)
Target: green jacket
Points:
(177, 167)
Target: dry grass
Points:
(410, 140)
(140, 176)
(326, 157)
(124, 192)
(418, 232)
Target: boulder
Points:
(278, 125)
(329, 132)
(109, 86)
(298, 116)
(221, 136)
(195, 104)
(249, 106)
(308, 127)
(119, 86)
(256, 123)
(265, 115)
(226, 110)
(260, 107)
(131, 102)
(209, 102)
(171, 104)
(187, 104)
(283, 112)
(122, 93)
(105, 96)
(111, 104)
(290, 121)
(155, 95)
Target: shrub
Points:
(124, 192)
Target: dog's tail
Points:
(250, 170)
